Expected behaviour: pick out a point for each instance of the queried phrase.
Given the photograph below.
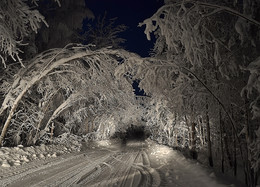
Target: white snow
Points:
(15, 156)
(176, 170)
(103, 163)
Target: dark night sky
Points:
(130, 13)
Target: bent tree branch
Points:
(209, 5)
(33, 81)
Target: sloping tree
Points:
(91, 71)
(38, 100)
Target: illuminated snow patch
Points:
(160, 151)
(104, 143)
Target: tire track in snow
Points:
(120, 166)
(73, 175)
(28, 170)
(149, 176)
(129, 167)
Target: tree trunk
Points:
(87, 125)
(234, 154)
(229, 156)
(176, 138)
(193, 141)
(234, 148)
(11, 113)
(193, 136)
(221, 141)
(221, 131)
(52, 129)
(189, 135)
(208, 136)
(251, 175)
(202, 138)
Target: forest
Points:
(201, 82)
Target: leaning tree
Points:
(59, 79)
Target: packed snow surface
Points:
(104, 163)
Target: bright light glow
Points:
(161, 151)
(104, 143)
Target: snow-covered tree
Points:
(78, 75)
(17, 21)
(21, 26)
(200, 53)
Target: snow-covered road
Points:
(105, 164)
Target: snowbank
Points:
(15, 156)
(180, 171)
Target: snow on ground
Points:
(176, 170)
(103, 163)
(15, 156)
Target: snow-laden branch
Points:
(253, 84)
(17, 21)
(73, 98)
(99, 63)
(217, 8)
